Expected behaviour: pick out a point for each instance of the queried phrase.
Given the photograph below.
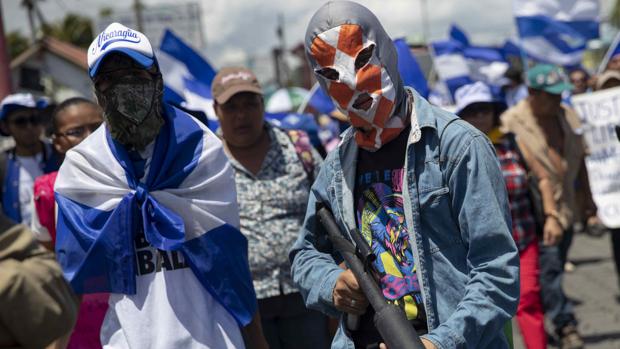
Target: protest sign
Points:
(600, 113)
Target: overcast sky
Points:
(235, 29)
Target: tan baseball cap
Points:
(232, 80)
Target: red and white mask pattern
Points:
(358, 83)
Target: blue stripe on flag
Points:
(219, 259)
(560, 35)
(95, 248)
(195, 63)
(589, 29)
(484, 53)
(170, 96)
(409, 69)
(510, 49)
(321, 102)
(459, 35)
(293, 121)
(447, 47)
(454, 83)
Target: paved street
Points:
(594, 287)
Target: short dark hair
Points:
(66, 104)
(515, 74)
(579, 69)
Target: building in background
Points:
(52, 68)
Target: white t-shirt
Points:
(171, 308)
(29, 169)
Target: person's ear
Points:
(56, 143)
(4, 128)
(532, 92)
(216, 109)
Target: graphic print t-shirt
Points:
(381, 221)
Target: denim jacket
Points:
(456, 208)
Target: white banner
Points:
(599, 113)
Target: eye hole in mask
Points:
(328, 73)
(363, 57)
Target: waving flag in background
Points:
(319, 100)
(486, 63)
(450, 64)
(409, 69)
(187, 75)
(556, 31)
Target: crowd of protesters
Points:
(172, 236)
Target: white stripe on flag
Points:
(451, 66)
(173, 72)
(543, 50)
(561, 10)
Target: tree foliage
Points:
(75, 29)
(16, 43)
(614, 17)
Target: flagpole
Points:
(523, 55)
(307, 98)
(608, 54)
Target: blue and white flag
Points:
(486, 63)
(187, 75)
(409, 70)
(181, 199)
(556, 31)
(511, 49)
(457, 34)
(450, 64)
(295, 121)
(319, 100)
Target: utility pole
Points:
(424, 11)
(282, 73)
(5, 70)
(30, 9)
(137, 6)
(33, 9)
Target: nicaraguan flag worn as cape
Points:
(186, 203)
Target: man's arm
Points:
(253, 334)
(313, 269)
(479, 202)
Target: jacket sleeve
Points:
(480, 204)
(38, 304)
(313, 268)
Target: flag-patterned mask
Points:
(355, 61)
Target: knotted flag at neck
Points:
(186, 201)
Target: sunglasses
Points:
(23, 121)
(79, 131)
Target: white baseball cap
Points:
(478, 92)
(19, 101)
(118, 38)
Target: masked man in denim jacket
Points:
(423, 187)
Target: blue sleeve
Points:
(480, 203)
(313, 269)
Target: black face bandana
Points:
(132, 110)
